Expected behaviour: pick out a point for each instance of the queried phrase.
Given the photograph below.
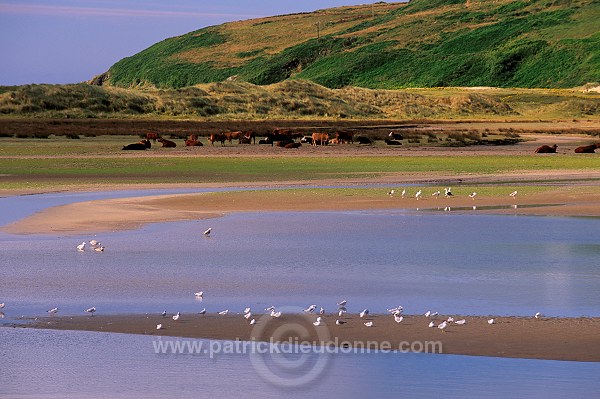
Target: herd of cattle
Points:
(287, 139)
(279, 137)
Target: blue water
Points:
(451, 263)
(62, 364)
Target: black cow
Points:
(142, 145)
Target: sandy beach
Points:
(573, 339)
(568, 193)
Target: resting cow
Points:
(395, 136)
(142, 145)
(364, 140)
(392, 142)
(193, 143)
(167, 143)
(587, 149)
(292, 145)
(546, 149)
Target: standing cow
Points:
(320, 139)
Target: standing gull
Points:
(91, 310)
(177, 316)
(81, 247)
(52, 311)
(364, 313)
(207, 231)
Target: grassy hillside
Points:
(424, 43)
(295, 99)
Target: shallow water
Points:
(468, 264)
(451, 263)
(61, 364)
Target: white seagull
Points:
(52, 311)
(368, 324)
(342, 303)
(252, 322)
(318, 322)
(341, 312)
(247, 310)
(321, 311)
(491, 321)
(224, 312)
(81, 247)
(460, 322)
(91, 310)
(448, 192)
(428, 313)
(2, 305)
(450, 319)
(398, 319)
(164, 313)
(364, 313)
(403, 192)
(270, 308)
(199, 294)
(248, 315)
(310, 309)
(275, 314)
(513, 194)
(418, 194)
(432, 324)
(436, 194)
(177, 316)
(538, 315)
(207, 231)
(339, 322)
(99, 249)
(159, 326)
(391, 193)
(443, 326)
(203, 311)
(472, 195)
(93, 243)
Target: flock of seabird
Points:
(438, 193)
(96, 246)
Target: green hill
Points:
(423, 43)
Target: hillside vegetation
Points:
(423, 43)
(295, 99)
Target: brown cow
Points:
(546, 149)
(234, 136)
(292, 145)
(152, 136)
(167, 143)
(320, 138)
(217, 137)
(345, 137)
(193, 143)
(249, 136)
(587, 149)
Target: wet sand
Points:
(575, 339)
(565, 198)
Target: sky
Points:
(70, 41)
